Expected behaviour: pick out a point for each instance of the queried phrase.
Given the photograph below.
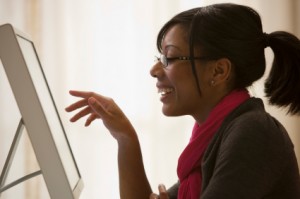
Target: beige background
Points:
(109, 47)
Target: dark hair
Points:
(235, 32)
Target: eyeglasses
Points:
(165, 60)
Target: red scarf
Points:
(189, 163)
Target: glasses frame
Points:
(165, 60)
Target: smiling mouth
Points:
(165, 91)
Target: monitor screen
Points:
(39, 113)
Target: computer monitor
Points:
(39, 114)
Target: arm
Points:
(132, 177)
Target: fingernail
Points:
(162, 186)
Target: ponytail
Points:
(282, 87)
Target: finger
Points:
(81, 114)
(97, 107)
(91, 118)
(163, 191)
(82, 94)
(154, 196)
(76, 105)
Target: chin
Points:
(170, 112)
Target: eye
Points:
(170, 60)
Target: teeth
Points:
(164, 91)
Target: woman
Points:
(209, 56)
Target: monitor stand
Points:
(9, 160)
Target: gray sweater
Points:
(250, 157)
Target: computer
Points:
(39, 116)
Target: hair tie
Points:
(266, 39)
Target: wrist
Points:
(127, 138)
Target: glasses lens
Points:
(164, 60)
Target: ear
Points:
(221, 71)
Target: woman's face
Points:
(176, 83)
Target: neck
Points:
(217, 96)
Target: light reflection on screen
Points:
(44, 95)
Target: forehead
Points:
(175, 37)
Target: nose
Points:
(156, 70)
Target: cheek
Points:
(203, 75)
(182, 77)
(185, 84)
(185, 96)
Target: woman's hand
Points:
(133, 180)
(97, 106)
(163, 194)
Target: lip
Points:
(164, 96)
(161, 85)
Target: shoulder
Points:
(250, 120)
(251, 130)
